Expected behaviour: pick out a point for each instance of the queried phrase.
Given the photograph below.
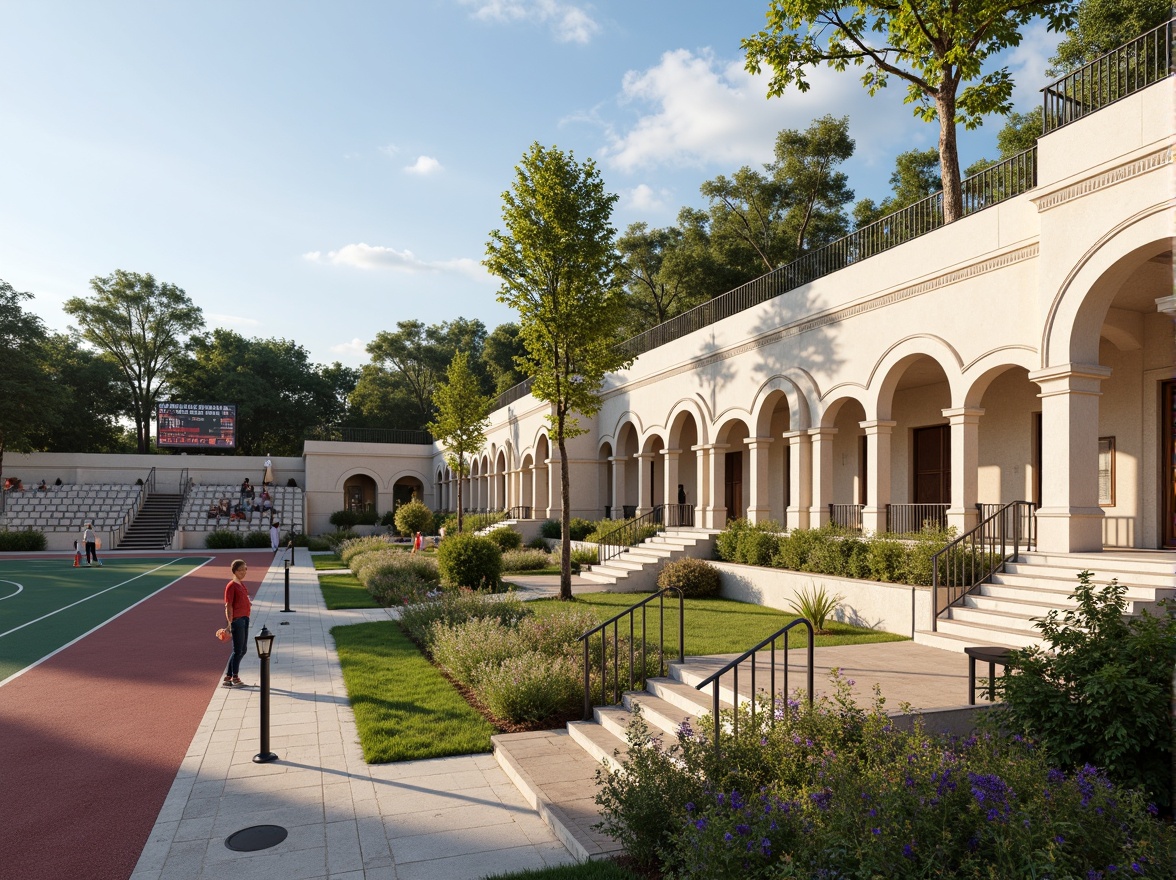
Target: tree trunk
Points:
(565, 534)
(459, 504)
(949, 157)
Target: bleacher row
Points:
(68, 507)
(287, 509)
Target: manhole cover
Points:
(255, 838)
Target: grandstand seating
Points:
(66, 508)
(287, 509)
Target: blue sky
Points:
(318, 171)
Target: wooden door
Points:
(1168, 472)
(933, 465)
(733, 496)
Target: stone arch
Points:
(890, 369)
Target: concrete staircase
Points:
(1001, 611)
(152, 526)
(636, 569)
(555, 770)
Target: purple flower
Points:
(700, 824)
(743, 830)
(685, 731)
(727, 836)
(766, 847)
(822, 798)
(875, 831)
(908, 850)
(690, 806)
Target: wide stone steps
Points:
(636, 569)
(1002, 611)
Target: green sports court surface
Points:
(45, 604)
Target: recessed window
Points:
(1106, 471)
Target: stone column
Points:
(822, 471)
(618, 485)
(701, 484)
(1069, 519)
(759, 507)
(644, 496)
(965, 467)
(554, 490)
(800, 473)
(877, 474)
(670, 479)
(712, 485)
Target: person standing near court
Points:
(237, 608)
(91, 541)
(275, 535)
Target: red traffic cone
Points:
(77, 555)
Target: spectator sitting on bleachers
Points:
(214, 511)
(43, 487)
(246, 490)
(224, 507)
(267, 503)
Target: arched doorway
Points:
(359, 493)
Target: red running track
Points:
(90, 740)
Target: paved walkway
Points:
(447, 818)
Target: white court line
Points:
(100, 592)
(19, 587)
(95, 629)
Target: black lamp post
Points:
(287, 609)
(265, 645)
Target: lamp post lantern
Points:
(265, 645)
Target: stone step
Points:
(1143, 571)
(601, 745)
(1162, 562)
(661, 714)
(1014, 622)
(986, 634)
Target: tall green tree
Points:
(31, 400)
(557, 261)
(143, 325)
(92, 395)
(654, 291)
(500, 356)
(280, 395)
(463, 412)
(934, 48)
(1103, 25)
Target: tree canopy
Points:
(934, 49)
(557, 262)
(462, 415)
(143, 325)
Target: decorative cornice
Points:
(835, 316)
(1107, 178)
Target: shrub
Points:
(506, 538)
(388, 520)
(537, 543)
(335, 540)
(223, 539)
(917, 569)
(256, 540)
(694, 577)
(457, 606)
(530, 687)
(464, 648)
(836, 790)
(343, 519)
(581, 556)
(298, 539)
(757, 544)
(578, 529)
(318, 544)
(393, 577)
(886, 559)
(816, 605)
(468, 560)
(727, 541)
(412, 517)
(525, 560)
(22, 541)
(348, 550)
(367, 517)
(550, 528)
(1099, 694)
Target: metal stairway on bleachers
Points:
(152, 526)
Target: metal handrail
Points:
(733, 668)
(1109, 78)
(347, 434)
(184, 489)
(847, 516)
(975, 556)
(519, 511)
(904, 519)
(626, 535)
(149, 482)
(613, 621)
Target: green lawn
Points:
(327, 561)
(715, 626)
(345, 591)
(598, 870)
(404, 708)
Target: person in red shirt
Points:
(237, 608)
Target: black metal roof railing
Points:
(1109, 78)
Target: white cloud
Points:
(424, 166)
(570, 23)
(355, 348)
(693, 109)
(645, 198)
(1028, 62)
(233, 320)
(390, 150)
(366, 256)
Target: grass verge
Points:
(599, 870)
(345, 591)
(326, 561)
(717, 626)
(404, 707)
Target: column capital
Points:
(793, 435)
(615, 458)
(821, 433)
(668, 452)
(757, 442)
(1166, 304)
(1070, 379)
(645, 456)
(963, 414)
(710, 447)
(877, 426)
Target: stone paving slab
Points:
(441, 819)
